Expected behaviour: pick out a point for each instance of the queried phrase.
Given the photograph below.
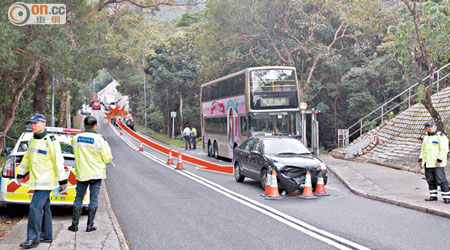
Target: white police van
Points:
(12, 192)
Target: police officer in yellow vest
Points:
(92, 153)
(194, 137)
(434, 158)
(44, 162)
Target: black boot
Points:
(29, 244)
(431, 199)
(90, 222)
(75, 219)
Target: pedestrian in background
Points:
(44, 162)
(433, 157)
(187, 137)
(92, 153)
(194, 137)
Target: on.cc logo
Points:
(19, 14)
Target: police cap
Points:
(430, 123)
(36, 117)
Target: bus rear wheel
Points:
(216, 151)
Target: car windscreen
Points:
(284, 146)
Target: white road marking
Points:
(295, 223)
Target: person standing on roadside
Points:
(92, 153)
(187, 137)
(44, 163)
(194, 137)
(433, 157)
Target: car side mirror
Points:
(254, 152)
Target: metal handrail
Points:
(383, 106)
(5, 135)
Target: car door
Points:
(245, 156)
(256, 160)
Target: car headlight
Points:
(322, 166)
(278, 165)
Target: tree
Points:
(293, 32)
(173, 68)
(422, 39)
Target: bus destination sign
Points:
(274, 101)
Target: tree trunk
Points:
(335, 118)
(428, 103)
(180, 97)
(422, 55)
(63, 110)
(10, 112)
(40, 92)
(168, 113)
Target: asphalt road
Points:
(160, 208)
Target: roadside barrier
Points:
(273, 191)
(320, 186)
(202, 164)
(179, 163)
(170, 160)
(307, 193)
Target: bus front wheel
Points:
(209, 149)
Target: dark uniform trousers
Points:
(436, 177)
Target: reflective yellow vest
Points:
(92, 153)
(434, 147)
(45, 163)
(194, 131)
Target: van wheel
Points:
(216, 151)
(209, 149)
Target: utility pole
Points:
(145, 92)
(52, 120)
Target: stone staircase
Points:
(395, 143)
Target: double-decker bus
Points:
(256, 101)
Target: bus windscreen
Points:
(273, 89)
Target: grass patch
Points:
(323, 151)
(178, 141)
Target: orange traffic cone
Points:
(273, 191)
(307, 189)
(170, 160)
(141, 148)
(179, 163)
(120, 132)
(267, 184)
(320, 186)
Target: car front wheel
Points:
(264, 176)
(238, 173)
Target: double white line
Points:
(295, 223)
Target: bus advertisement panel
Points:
(229, 109)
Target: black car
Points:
(287, 155)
